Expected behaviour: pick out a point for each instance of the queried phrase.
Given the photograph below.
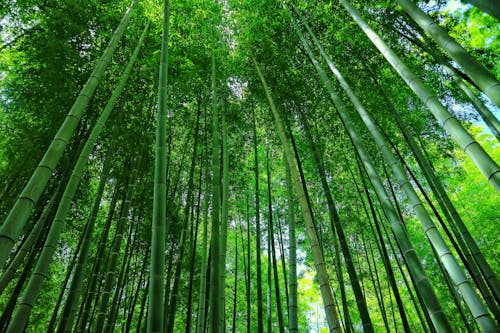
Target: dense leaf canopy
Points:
(298, 166)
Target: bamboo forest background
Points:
(252, 165)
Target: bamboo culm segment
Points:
(483, 161)
(156, 306)
(473, 301)
(416, 270)
(326, 290)
(215, 245)
(41, 269)
(23, 207)
(480, 75)
(293, 325)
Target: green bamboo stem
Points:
(114, 251)
(483, 161)
(480, 75)
(293, 325)
(488, 117)
(36, 280)
(458, 77)
(23, 207)
(182, 239)
(193, 246)
(69, 310)
(338, 229)
(200, 320)
(260, 310)
(156, 303)
(215, 244)
(115, 303)
(380, 245)
(27, 245)
(224, 217)
(326, 290)
(272, 247)
(422, 282)
(471, 250)
(235, 286)
(444, 254)
(91, 288)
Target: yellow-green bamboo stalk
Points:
(449, 262)
(156, 305)
(416, 270)
(480, 75)
(23, 207)
(325, 287)
(473, 149)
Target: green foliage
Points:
(47, 51)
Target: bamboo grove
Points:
(249, 166)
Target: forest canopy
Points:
(249, 166)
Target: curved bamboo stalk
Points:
(483, 161)
(22, 209)
(156, 302)
(415, 267)
(326, 290)
(480, 75)
(444, 254)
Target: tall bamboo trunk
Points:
(156, 305)
(216, 316)
(260, 311)
(121, 281)
(293, 325)
(483, 161)
(200, 317)
(458, 77)
(193, 246)
(431, 301)
(91, 288)
(325, 287)
(339, 230)
(480, 75)
(487, 116)
(235, 286)
(110, 272)
(22, 209)
(444, 254)
(38, 232)
(34, 286)
(281, 325)
(172, 308)
(69, 310)
(458, 227)
(130, 315)
(224, 217)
